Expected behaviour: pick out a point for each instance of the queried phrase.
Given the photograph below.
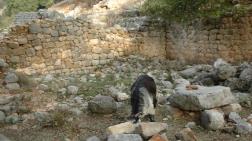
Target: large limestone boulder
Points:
(148, 129)
(123, 128)
(212, 119)
(224, 70)
(102, 105)
(201, 98)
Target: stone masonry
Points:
(230, 39)
(65, 46)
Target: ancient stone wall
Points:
(65, 46)
(25, 17)
(230, 39)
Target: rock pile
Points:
(10, 106)
(216, 103)
(221, 73)
(137, 132)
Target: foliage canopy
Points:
(15, 6)
(188, 10)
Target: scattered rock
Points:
(62, 91)
(243, 127)
(12, 86)
(123, 128)
(48, 78)
(125, 137)
(72, 90)
(172, 111)
(12, 119)
(162, 99)
(25, 80)
(212, 119)
(119, 96)
(3, 64)
(242, 97)
(11, 78)
(181, 83)
(102, 105)
(242, 67)
(5, 99)
(190, 125)
(93, 138)
(23, 109)
(224, 70)
(201, 99)
(186, 135)
(83, 79)
(43, 117)
(236, 84)
(120, 106)
(75, 111)
(158, 137)
(228, 129)
(4, 138)
(246, 75)
(6, 108)
(43, 87)
(234, 117)
(249, 119)
(189, 73)
(205, 79)
(2, 117)
(167, 84)
(235, 107)
(63, 107)
(148, 129)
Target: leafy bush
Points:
(188, 10)
(15, 6)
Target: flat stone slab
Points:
(125, 137)
(148, 129)
(202, 98)
(123, 128)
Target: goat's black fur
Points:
(138, 97)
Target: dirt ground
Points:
(89, 124)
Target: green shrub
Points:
(15, 6)
(188, 10)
